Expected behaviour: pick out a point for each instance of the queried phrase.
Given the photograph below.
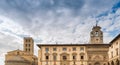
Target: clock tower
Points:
(96, 35)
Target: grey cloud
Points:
(8, 42)
(53, 15)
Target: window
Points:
(82, 48)
(117, 51)
(26, 40)
(111, 54)
(74, 57)
(116, 43)
(89, 57)
(64, 58)
(47, 57)
(29, 40)
(29, 45)
(74, 49)
(29, 49)
(54, 57)
(97, 40)
(26, 49)
(64, 49)
(46, 49)
(26, 45)
(54, 49)
(111, 46)
(17, 53)
(82, 57)
(104, 58)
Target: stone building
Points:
(114, 51)
(25, 57)
(94, 53)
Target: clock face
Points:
(96, 33)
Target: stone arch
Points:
(96, 63)
(112, 63)
(54, 53)
(97, 58)
(64, 55)
(117, 62)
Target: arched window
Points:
(64, 58)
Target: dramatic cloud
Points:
(55, 21)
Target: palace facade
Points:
(94, 53)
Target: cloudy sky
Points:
(51, 21)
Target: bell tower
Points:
(29, 45)
(96, 35)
